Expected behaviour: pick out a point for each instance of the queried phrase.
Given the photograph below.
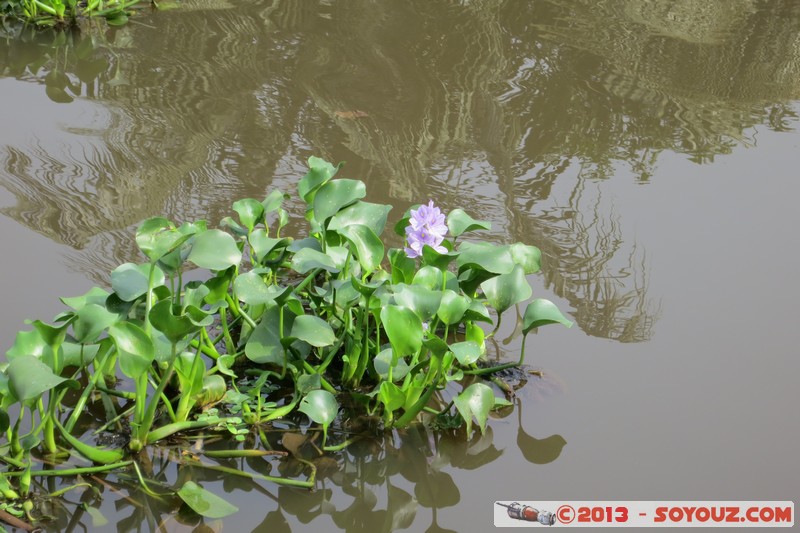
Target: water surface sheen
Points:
(648, 148)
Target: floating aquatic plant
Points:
(279, 326)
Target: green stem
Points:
(309, 484)
(307, 280)
(170, 429)
(150, 277)
(67, 472)
(79, 406)
(230, 347)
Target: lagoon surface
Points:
(649, 149)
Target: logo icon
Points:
(528, 513)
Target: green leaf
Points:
(129, 281)
(528, 257)
(484, 256)
(95, 295)
(250, 212)
(477, 312)
(475, 401)
(29, 378)
(204, 502)
(190, 369)
(475, 334)
(91, 321)
(320, 171)
(335, 195)
(423, 301)
(157, 237)
(364, 213)
(308, 382)
(404, 329)
(506, 290)
(320, 406)
(391, 396)
(252, 290)
(136, 350)
(541, 312)
(439, 260)
(27, 343)
(430, 277)
(367, 289)
(273, 201)
(215, 250)
(452, 307)
(78, 355)
(313, 330)
(466, 352)
(264, 344)
(263, 245)
(369, 248)
(460, 222)
(308, 259)
(403, 267)
(173, 323)
(383, 361)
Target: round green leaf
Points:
(150, 232)
(367, 289)
(28, 378)
(169, 320)
(404, 329)
(319, 172)
(129, 281)
(136, 350)
(320, 406)
(250, 211)
(204, 502)
(215, 250)
(364, 213)
(92, 320)
(452, 307)
(251, 289)
(313, 330)
(27, 343)
(335, 195)
(460, 222)
(466, 352)
(308, 259)
(528, 257)
(95, 295)
(264, 344)
(484, 256)
(262, 245)
(273, 201)
(475, 401)
(430, 277)
(383, 362)
(369, 248)
(391, 396)
(434, 258)
(423, 301)
(541, 312)
(505, 290)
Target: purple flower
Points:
(426, 226)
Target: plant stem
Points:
(74, 471)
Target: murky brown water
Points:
(650, 150)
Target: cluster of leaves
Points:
(65, 12)
(310, 318)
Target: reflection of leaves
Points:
(540, 451)
(274, 522)
(437, 489)
(402, 507)
(303, 504)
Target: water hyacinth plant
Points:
(279, 326)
